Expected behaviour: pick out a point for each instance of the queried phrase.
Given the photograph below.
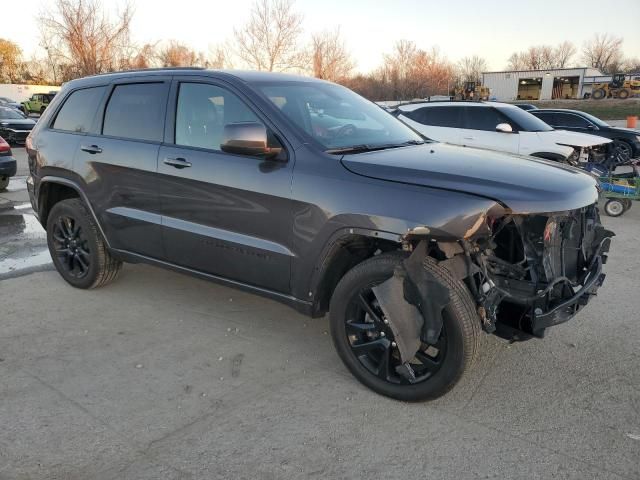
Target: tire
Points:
(72, 232)
(4, 183)
(599, 94)
(42, 110)
(457, 346)
(614, 207)
(623, 94)
(627, 204)
(624, 148)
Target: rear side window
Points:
(570, 120)
(136, 111)
(485, 118)
(79, 109)
(436, 116)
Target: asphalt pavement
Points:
(163, 376)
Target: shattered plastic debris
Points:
(633, 436)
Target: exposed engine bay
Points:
(525, 272)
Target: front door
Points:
(480, 130)
(223, 214)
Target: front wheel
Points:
(599, 94)
(77, 248)
(365, 342)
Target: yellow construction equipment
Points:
(470, 91)
(618, 87)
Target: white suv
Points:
(499, 126)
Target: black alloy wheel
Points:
(71, 246)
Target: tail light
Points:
(4, 146)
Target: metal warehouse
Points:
(540, 84)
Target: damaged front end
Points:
(526, 272)
(536, 271)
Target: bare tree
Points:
(330, 58)
(469, 69)
(219, 58)
(176, 54)
(517, 61)
(604, 52)
(80, 33)
(10, 61)
(269, 40)
(563, 54)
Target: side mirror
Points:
(247, 138)
(504, 128)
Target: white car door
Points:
(439, 123)
(480, 130)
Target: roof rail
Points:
(158, 69)
(413, 102)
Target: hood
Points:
(23, 122)
(523, 184)
(632, 131)
(574, 139)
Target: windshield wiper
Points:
(370, 148)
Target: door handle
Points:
(177, 162)
(469, 138)
(92, 149)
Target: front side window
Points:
(136, 111)
(203, 111)
(335, 116)
(485, 118)
(79, 109)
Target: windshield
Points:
(525, 120)
(338, 118)
(10, 114)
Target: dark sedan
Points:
(7, 164)
(7, 102)
(626, 139)
(14, 126)
(526, 106)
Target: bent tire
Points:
(77, 248)
(364, 342)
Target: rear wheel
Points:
(4, 183)
(365, 342)
(624, 93)
(614, 207)
(599, 94)
(42, 110)
(77, 248)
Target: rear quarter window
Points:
(79, 109)
(136, 111)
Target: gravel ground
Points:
(162, 376)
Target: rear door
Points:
(480, 130)
(119, 162)
(223, 214)
(441, 123)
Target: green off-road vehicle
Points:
(37, 103)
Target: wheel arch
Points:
(554, 156)
(52, 190)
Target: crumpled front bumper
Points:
(568, 308)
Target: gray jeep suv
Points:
(302, 191)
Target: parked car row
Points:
(502, 127)
(8, 164)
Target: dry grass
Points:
(609, 109)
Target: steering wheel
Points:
(346, 131)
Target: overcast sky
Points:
(492, 29)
